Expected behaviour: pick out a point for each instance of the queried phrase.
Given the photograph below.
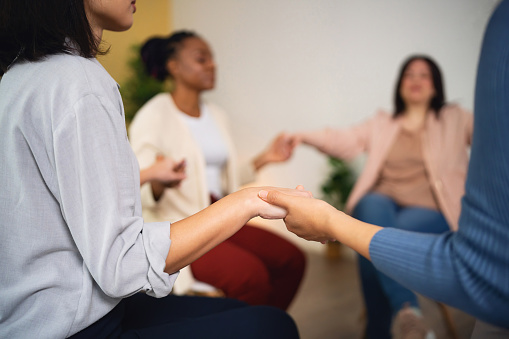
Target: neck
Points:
(414, 116)
(187, 100)
(416, 110)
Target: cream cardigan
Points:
(158, 127)
(445, 149)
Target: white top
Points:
(73, 242)
(208, 137)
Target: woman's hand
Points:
(279, 150)
(307, 217)
(255, 207)
(193, 236)
(294, 140)
(163, 173)
(314, 219)
(168, 172)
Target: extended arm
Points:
(340, 143)
(279, 150)
(196, 235)
(314, 219)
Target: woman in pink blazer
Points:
(413, 179)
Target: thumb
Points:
(274, 198)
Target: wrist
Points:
(260, 161)
(248, 203)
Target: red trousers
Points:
(255, 266)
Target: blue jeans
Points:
(383, 296)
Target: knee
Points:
(374, 208)
(251, 285)
(295, 261)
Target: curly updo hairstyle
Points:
(156, 52)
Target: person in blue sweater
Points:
(467, 269)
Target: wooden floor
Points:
(329, 304)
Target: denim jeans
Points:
(383, 296)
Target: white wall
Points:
(302, 64)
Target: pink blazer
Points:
(446, 142)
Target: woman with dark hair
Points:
(254, 265)
(413, 178)
(467, 269)
(75, 251)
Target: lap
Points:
(229, 262)
(270, 248)
(381, 210)
(197, 317)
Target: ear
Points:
(172, 67)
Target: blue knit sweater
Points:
(469, 269)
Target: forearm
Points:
(260, 161)
(196, 235)
(352, 232)
(146, 175)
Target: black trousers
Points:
(141, 316)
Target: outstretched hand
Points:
(307, 217)
(279, 150)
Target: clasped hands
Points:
(305, 216)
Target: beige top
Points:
(403, 176)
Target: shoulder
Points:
(381, 118)
(76, 73)
(454, 112)
(383, 115)
(159, 105)
(157, 113)
(57, 83)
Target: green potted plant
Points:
(139, 87)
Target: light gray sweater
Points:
(72, 239)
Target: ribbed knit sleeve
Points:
(468, 269)
(445, 268)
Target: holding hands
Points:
(314, 219)
(305, 216)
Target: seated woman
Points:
(253, 265)
(77, 258)
(413, 178)
(466, 269)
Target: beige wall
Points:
(151, 18)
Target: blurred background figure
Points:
(466, 269)
(413, 179)
(254, 265)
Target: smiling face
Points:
(417, 84)
(111, 15)
(193, 66)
